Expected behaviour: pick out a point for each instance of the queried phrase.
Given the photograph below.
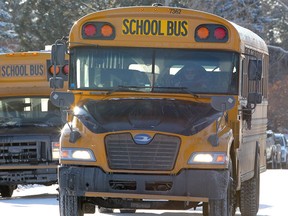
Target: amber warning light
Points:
(211, 33)
(98, 31)
(64, 69)
(51, 69)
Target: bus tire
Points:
(226, 206)
(70, 206)
(249, 194)
(127, 211)
(205, 210)
(104, 210)
(274, 162)
(7, 190)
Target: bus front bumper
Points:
(41, 174)
(188, 185)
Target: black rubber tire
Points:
(70, 206)
(274, 161)
(7, 190)
(279, 163)
(226, 206)
(105, 210)
(127, 211)
(285, 164)
(249, 194)
(205, 210)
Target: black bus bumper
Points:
(92, 181)
(44, 176)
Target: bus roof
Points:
(250, 39)
(120, 18)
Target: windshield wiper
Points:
(132, 89)
(126, 88)
(181, 89)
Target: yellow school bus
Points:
(168, 110)
(29, 123)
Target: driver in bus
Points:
(190, 76)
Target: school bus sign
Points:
(22, 70)
(154, 27)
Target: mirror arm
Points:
(74, 134)
(248, 108)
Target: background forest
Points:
(27, 25)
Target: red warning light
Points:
(66, 69)
(220, 33)
(90, 30)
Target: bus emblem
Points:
(142, 139)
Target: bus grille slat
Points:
(22, 152)
(123, 153)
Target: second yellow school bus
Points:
(29, 123)
(169, 112)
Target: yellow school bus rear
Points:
(29, 124)
(169, 112)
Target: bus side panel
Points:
(251, 138)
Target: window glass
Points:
(157, 70)
(28, 111)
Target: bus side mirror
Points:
(61, 99)
(58, 53)
(254, 70)
(254, 98)
(56, 82)
(222, 103)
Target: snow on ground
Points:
(31, 200)
(37, 200)
(26, 190)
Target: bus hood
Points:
(30, 131)
(165, 115)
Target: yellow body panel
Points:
(239, 37)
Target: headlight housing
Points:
(55, 150)
(208, 158)
(81, 154)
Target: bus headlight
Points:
(55, 150)
(208, 158)
(77, 154)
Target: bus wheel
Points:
(274, 161)
(249, 194)
(105, 210)
(70, 205)
(205, 210)
(226, 206)
(7, 190)
(127, 210)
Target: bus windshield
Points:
(29, 111)
(155, 70)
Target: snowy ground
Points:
(36, 200)
(31, 200)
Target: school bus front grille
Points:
(22, 152)
(123, 153)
